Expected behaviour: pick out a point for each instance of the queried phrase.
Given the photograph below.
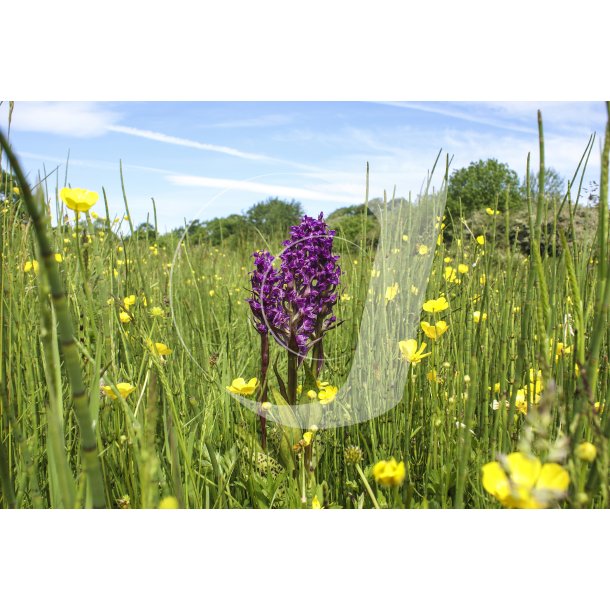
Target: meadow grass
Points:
(523, 367)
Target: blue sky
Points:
(193, 157)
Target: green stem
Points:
(91, 462)
(367, 487)
(603, 286)
(7, 484)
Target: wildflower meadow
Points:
(438, 364)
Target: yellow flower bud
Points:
(586, 452)
(169, 502)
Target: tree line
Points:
(483, 185)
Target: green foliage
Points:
(270, 218)
(7, 184)
(274, 215)
(219, 231)
(479, 185)
(145, 231)
(180, 436)
(554, 184)
(349, 221)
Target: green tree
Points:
(480, 184)
(554, 184)
(145, 230)
(349, 221)
(221, 230)
(274, 215)
(7, 183)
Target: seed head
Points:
(353, 455)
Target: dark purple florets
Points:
(297, 300)
(267, 294)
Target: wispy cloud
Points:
(74, 119)
(188, 143)
(444, 109)
(89, 163)
(570, 113)
(575, 118)
(267, 120)
(167, 139)
(264, 188)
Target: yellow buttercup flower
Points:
(463, 268)
(536, 382)
(327, 394)
(477, 316)
(159, 348)
(410, 352)
(422, 250)
(315, 503)
(436, 305)
(307, 436)
(520, 481)
(481, 240)
(432, 377)
(451, 275)
(436, 330)
(125, 389)
(79, 200)
(31, 266)
(389, 473)
(391, 292)
(243, 388)
(124, 317)
(521, 401)
(156, 312)
(491, 212)
(561, 349)
(129, 301)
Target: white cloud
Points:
(225, 150)
(328, 194)
(267, 120)
(520, 117)
(561, 152)
(568, 116)
(76, 119)
(167, 139)
(89, 163)
(466, 114)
